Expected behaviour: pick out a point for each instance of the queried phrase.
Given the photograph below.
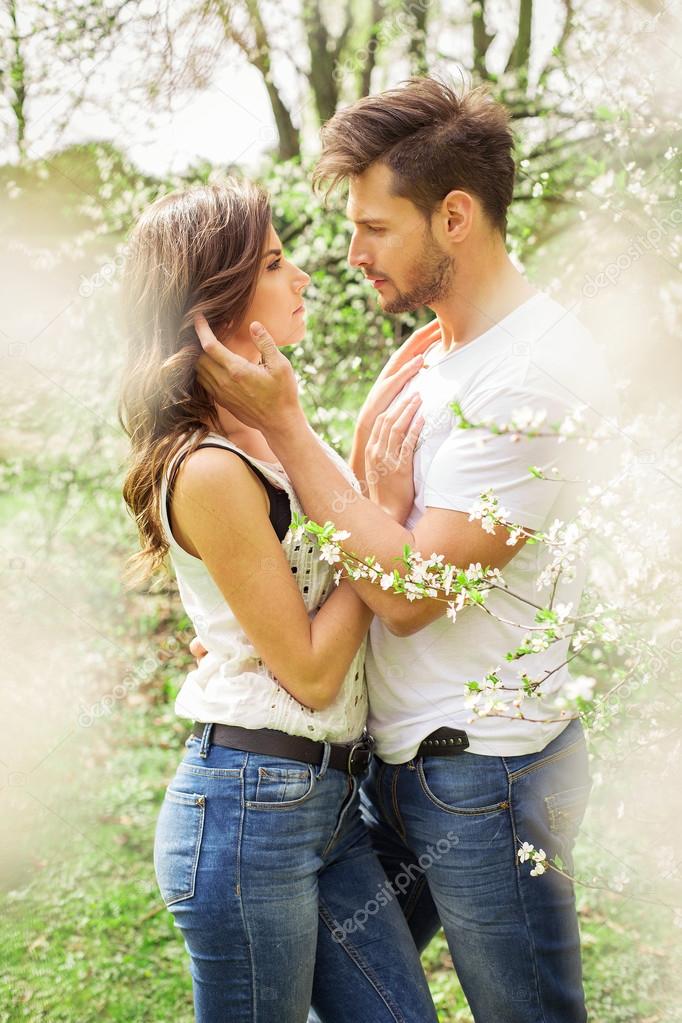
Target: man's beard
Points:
(431, 281)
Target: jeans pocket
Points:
(447, 784)
(177, 844)
(278, 787)
(566, 809)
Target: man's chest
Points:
(437, 395)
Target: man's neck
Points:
(486, 290)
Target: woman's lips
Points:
(299, 311)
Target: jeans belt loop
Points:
(205, 740)
(325, 760)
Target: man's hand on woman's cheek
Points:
(261, 395)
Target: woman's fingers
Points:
(392, 425)
(411, 438)
(392, 385)
(401, 425)
(416, 345)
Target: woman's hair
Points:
(195, 251)
(433, 138)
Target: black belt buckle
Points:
(360, 755)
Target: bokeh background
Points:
(103, 107)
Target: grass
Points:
(84, 935)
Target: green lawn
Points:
(84, 936)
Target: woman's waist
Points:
(255, 699)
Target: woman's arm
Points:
(220, 514)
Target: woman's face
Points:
(278, 300)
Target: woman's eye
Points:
(276, 265)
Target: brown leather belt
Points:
(351, 757)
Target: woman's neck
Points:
(249, 439)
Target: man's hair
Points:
(432, 138)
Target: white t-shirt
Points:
(538, 357)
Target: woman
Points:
(260, 852)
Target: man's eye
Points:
(276, 265)
(375, 230)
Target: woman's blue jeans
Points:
(263, 861)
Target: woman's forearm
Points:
(336, 632)
(357, 454)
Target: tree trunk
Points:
(289, 137)
(372, 45)
(323, 56)
(520, 55)
(481, 39)
(417, 49)
(17, 82)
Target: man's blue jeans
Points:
(513, 938)
(262, 862)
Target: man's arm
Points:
(323, 492)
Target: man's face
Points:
(393, 245)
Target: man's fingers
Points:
(205, 373)
(212, 346)
(264, 342)
(197, 649)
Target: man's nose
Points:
(357, 255)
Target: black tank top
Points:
(280, 509)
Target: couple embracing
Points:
(336, 804)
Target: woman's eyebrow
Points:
(272, 252)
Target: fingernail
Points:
(257, 328)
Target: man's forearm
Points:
(326, 496)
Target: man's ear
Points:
(455, 216)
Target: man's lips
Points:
(376, 282)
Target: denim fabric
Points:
(263, 861)
(447, 831)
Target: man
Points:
(430, 178)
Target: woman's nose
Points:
(303, 280)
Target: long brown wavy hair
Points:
(195, 251)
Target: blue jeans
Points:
(269, 873)
(447, 831)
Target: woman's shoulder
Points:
(215, 466)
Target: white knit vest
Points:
(231, 685)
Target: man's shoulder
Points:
(551, 355)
